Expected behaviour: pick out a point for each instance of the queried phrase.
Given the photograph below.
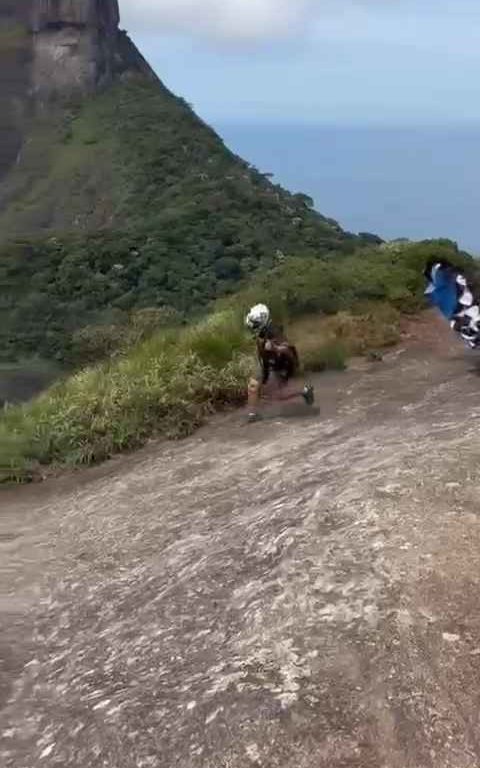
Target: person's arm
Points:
(262, 361)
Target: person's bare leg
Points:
(286, 393)
(253, 397)
(276, 389)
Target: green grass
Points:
(327, 343)
(330, 356)
(168, 383)
(164, 386)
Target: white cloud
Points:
(236, 21)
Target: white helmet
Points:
(258, 318)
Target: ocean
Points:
(395, 182)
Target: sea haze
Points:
(396, 182)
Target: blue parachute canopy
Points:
(449, 291)
(442, 290)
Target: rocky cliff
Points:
(78, 47)
(53, 50)
(15, 74)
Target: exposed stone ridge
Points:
(102, 14)
(53, 50)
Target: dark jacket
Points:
(276, 354)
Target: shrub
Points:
(95, 343)
(328, 356)
(326, 343)
(390, 274)
(164, 386)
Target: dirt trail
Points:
(301, 592)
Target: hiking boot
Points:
(308, 394)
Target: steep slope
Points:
(148, 206)
(303, 593)
(135, 155)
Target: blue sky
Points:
(316, 61)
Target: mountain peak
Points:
(101, 14)
(76, 46)
(56, 50)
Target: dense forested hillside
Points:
(127, 201)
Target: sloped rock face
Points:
(94, 13)
(16, 56)
(54, 50)
(78, 47)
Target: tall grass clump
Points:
(164, 386)
(164, 383)
(326, 343)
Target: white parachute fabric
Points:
(449, 290)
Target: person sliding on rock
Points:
(277, 362)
